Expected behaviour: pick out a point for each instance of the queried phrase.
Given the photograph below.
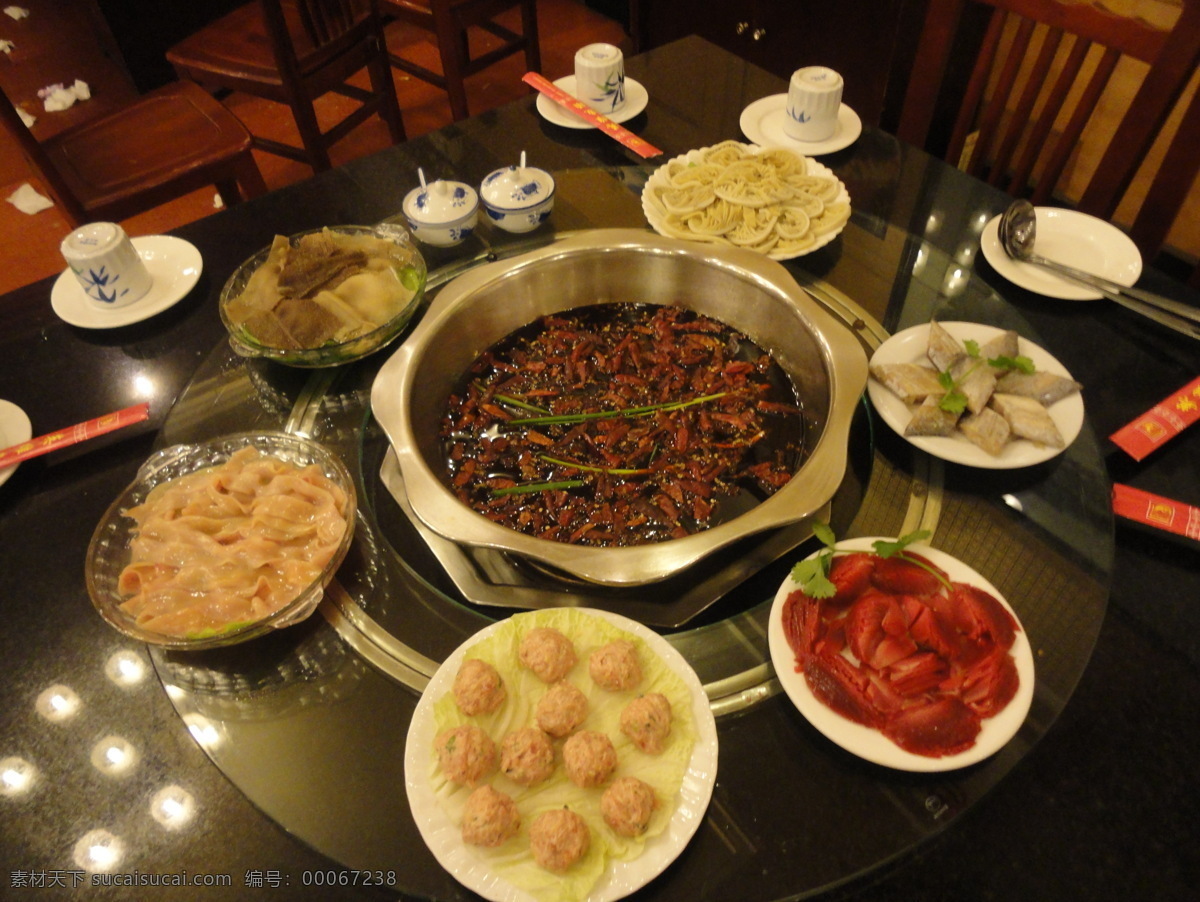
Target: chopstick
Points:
(1154, 510)
(573, 105)
(72, 435)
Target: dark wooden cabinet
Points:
(861, 39)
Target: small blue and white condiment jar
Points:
(442, 213)
(518, 198)
(106, 264)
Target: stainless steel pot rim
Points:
(438, 508)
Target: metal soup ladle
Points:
(1017, 231)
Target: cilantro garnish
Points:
(954, 401)
(813, 573)
(1020, 362)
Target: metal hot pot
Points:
(741, 288)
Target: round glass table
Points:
(310, 723)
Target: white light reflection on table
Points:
(114, 756)
(99, 851)
(125, 668)
(204, 731)
(143, 386)
(173, 807)
(956, 280)
(17, 776)
(58, 703)
(1014, 502)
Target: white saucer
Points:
(762, 122)
(14, 429)
(1073, 238)
(871, 744)
(636, 98)
(175, 266)
(908, 346)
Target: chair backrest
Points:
(38, 160)
(308, 34)
(1038, 77)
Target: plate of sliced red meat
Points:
(914, 661)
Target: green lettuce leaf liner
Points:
(513, 861)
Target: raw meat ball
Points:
(489, 817)
(527, 756)
(589, 758)
(615, 666)
(647, 722)
(561, 709)
(627, 806)
(548, 653)
(466, 754)
(558, 838)
(478, 688)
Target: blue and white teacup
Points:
(600, 77)
(106, 264)
(813, 99)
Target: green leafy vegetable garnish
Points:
(530, 487)
(813, 574)
(954, 401)
(1020, 362)
(572, 418)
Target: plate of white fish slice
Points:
(975, 395)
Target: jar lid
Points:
(517, 187)
(441, 202)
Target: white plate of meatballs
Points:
(568, 753)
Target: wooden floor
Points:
(29, 243)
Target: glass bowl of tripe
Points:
(324, 297)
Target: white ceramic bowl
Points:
(443, 213)
(518, 199)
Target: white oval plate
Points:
(636, 98)
(762, 122)
(1069, 237)
(658, 178)
(870, 743)
(14, 429)
(175, 266)
(909, 345)
(621, 877)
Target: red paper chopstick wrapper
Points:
(52, 441)
(1160, 423)
(1155, 510)
(642, 148)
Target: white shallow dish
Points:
(870, 743)
(659, 176)
(1072, 238)
(621, 877)
(175, 266)
(636, 98)
(762, 122)
(909, 345)
(14, 429)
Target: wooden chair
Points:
(450, 21)
(293, 52)
(1016, 146)
(154, 149)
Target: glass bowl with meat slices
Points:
(326, 296)
(222, 541)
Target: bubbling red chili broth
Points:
(621, 424)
